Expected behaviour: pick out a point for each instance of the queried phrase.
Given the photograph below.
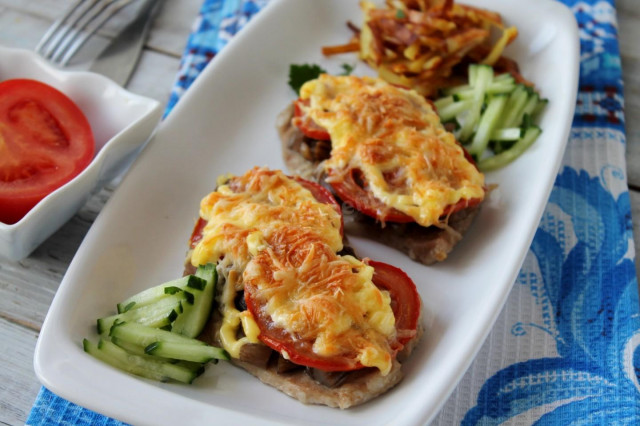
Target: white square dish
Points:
(226, 123)
(121, 123)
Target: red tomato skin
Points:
(405, 299)
(45, 141)
(306, 125)
(364, 201)
(405, 303)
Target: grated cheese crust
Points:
(409, 160)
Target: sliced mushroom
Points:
(256, 354)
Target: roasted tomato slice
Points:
(405, 303)
(353, 191)
(405, 300)
(306, 124)
(319, 192)
(45, 141)
(298, 351)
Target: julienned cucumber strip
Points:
(488, 123)
(195, 316)
(515, 106)
(153, 294)
(112, 354)
(495, 115)
(495, 87)
(505, 157)
(194, 353)
(510, 134)
(443, 102)
(450, 111)
(483, 75)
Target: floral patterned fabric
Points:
(565, 347)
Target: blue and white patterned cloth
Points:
(565, 349)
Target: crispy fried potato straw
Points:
(419, 43)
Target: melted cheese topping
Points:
(241, 213)
(233, 318)
(283, 242)
(324, 298)
(394, 137)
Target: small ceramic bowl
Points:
(121, 121)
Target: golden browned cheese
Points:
(283, 242)
(411, 163)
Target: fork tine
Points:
(82, 22)
(64, 25)
(46, 38)
(72, 31)
(67, 35)
(81, 38)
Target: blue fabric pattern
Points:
(570, 331)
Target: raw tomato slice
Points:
(45, 141)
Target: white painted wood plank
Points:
(18, 384)
(27, 287)
(173, 25)
(169, 32)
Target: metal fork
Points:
(67, 34)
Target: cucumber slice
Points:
(159, 314)
(515, 106)
(194, 353)
(153, 294)
(134, 349)
(488, 122)
(142, 335)
(505, 157)
(115, 356)
(492, 113)
(191, 322)
(483, 77)
(510, 134)
(503, 83)
(532, 101)
(492, 89)
(452, 110)
(443, 102)
(538, 109)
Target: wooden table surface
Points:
(27, 287)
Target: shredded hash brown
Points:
(427, 44)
